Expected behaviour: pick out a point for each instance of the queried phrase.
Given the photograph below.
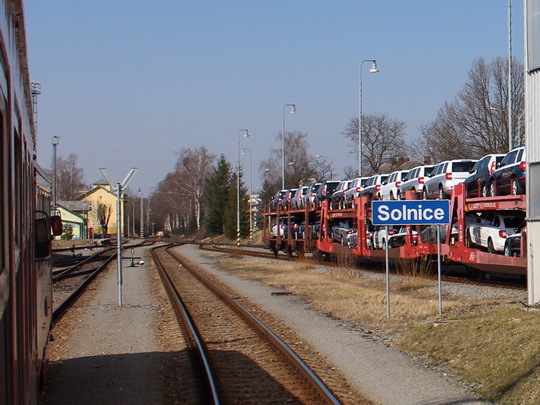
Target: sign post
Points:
(410, 212)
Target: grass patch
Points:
(499, 349)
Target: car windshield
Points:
(462, 166)
(428, 171)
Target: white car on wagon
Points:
(445, 176)
(415, 180)
(389, 191)
(491, 229)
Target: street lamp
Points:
(246, 135)
(293, 111)
(142, 219)
(373, 69)
(250, 191)
(510, 104)
(55, 140)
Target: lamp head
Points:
(293, 111)
(374, 68)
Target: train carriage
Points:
(25, 224)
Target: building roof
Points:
(101, 182)
(76, 206)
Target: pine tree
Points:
(216, 196)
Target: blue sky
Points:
(129, 83)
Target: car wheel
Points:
(492, 189)
(424, 194)
(485, 190)
(342, 241)
(440, 193)
(490, 247)
(514, 186)
(507, 251)
(392, 195)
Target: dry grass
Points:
(499, 349)
(347, 294)
(485, 341)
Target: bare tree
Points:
(301, 168)
(192, 169)
(70, 177)
(383, 140)
(103, 213)
(179, 197)
(476, 122)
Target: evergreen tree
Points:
(216, 196)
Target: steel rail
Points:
(264, 331)
(61, 309)
(64, 273)
(188, 325)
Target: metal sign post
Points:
(415, 212)
(387, 256)
(439, 272)
(119, 190)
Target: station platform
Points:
(103, 353)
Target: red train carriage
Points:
(25, 271)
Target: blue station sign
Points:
(405, 212)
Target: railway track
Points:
(243, 360)
(71, 282)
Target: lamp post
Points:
(250, 192)
(55, 141)
(142, 216)
(246, 135)
(293, 111)
(510, 106)
(373, 69)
